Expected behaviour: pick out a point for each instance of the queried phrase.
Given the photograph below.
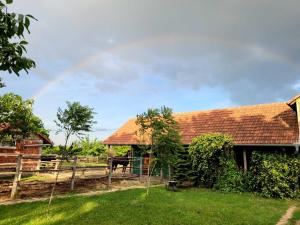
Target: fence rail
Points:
(91, 167)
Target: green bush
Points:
(230, 178)
(212, 160)
(274, 174)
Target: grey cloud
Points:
(249, 48)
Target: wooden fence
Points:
(90, 167)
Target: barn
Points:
(265, 127)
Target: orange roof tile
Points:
(274, 123)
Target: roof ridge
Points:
(229, 108)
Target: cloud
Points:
(249, 48)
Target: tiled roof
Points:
(46, 140)
(274, 123)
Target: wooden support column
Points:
(110, 171)
(298, 116)
(245, 160)
(141, 167)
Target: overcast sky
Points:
(123, 56)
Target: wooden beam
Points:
(298, 116)
(17, 178)
(245, 160)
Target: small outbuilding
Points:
(29, 146)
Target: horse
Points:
(122, 160)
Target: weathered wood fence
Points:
(70, 170)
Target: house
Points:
(29, 146)
(265, 127)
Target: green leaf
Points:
(32, 17)
(23, 42)
(9, 1)
(20, 29)
(20, 18)
(27, 22)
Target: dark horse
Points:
(122, 160)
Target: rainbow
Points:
(163, 39)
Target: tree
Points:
(12, 41)
(19, 115)
(183, 171)
(159, 130)
(74, 120)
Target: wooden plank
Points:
(73, 174)
(17, 177)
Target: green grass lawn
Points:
(193, 206)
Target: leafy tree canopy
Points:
(74, 120)
(12, 41)
(159, 128)
(89, 147)
(18, 114)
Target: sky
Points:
(122, 57)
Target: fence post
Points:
(57, 162)
(17, 177)
(141, 168)
(73, 173)
(110, 171)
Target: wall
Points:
(25, 147)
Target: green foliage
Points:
(12, 41)
(230, 179)
(65, 152)
(84, 147)
(158, 128)
(182, 168)
(18, 114)
(274, 174)
(207, 152)
(74, 120)
(88, 147)
(121, 150)
(49, 150)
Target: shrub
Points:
(274, 174)
(209, 154)
(230, 179)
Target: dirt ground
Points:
(36, 186)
